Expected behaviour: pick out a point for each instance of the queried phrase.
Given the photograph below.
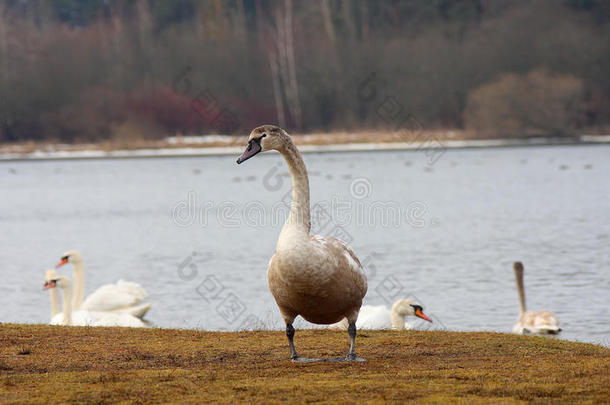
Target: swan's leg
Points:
(351, 330)
(290, 335)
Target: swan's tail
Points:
(138, 311)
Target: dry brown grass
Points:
(50, 364)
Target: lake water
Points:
(197, 233)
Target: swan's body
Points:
(77, 318)
(375, 317)
(541, 322)
(317, 277)
(117, 319)
(68, 317)
(124, 297)
(381, 317)
(86, 318)
(323, 285)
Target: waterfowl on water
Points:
(541, 322)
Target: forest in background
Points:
(97, 70)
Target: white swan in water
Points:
(317, 277)
(122, 297)
(541, 322)
(68, 317)
(380, 317)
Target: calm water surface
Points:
(197, 233)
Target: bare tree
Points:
(328, 22)
(279, 46)
(292, 71)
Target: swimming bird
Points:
(541, 322)
(122, 297)
(381, 317)
(80, 317)
(317, 277)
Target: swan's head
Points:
(56, 281)
(50, 277)
(71, 256)
(407, 307)
(263, 138)
(518, 266)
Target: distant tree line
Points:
(92, 70)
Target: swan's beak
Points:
(420, 314)
(49, 284)
(62, 262)
(254, 147)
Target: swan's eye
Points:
(264, 135)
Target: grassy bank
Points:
(45, 364)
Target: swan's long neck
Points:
(398, 321)
(54, 301)
(67, 305)
(399, 310)
(520, 289)
(79, 285)
(299, 218)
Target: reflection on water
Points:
(198, 232)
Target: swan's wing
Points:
(112, 297)
(133, 289)
(335, 248)
(137, 311)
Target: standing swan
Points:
(317, 277)
(122, 297)
(380, 317)
(542, 322)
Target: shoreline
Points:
(440, 146)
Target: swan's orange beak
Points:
(421, 315)
(62, 262)
(254, 147)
